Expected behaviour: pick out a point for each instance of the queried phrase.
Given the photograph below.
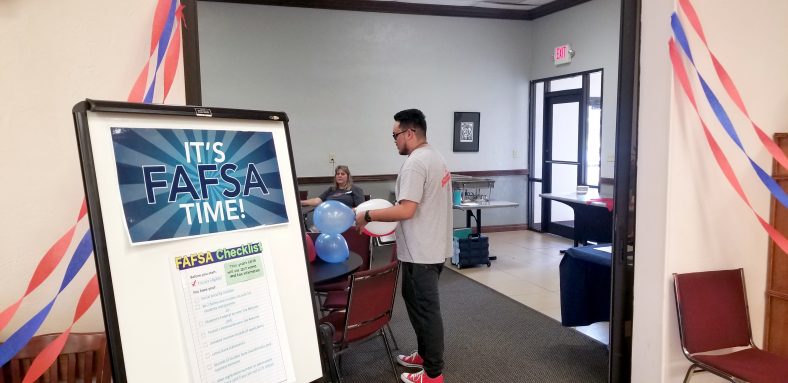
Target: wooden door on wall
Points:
(776, 327)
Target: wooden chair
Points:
(370, 303)
(714, 326)
(83, 359)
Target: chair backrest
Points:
(360, 244)
(712, 310)
(83, 359)
(370, 302)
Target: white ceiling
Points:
(520, 5)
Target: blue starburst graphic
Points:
(178, 183)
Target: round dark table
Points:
(321, 271)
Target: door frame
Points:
(620, 360)
(623, 265)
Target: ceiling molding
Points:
(555, 6)
(418, 9)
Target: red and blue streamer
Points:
(722, 115)
(168, 15)
(45, 267)
(730, 87)
(22, 336)
(164, 40)
(681, 76)
(49, 354)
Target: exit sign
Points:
(563, 54)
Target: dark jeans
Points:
(420, 293)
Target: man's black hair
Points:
(411, 118)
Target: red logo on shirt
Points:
(446, 178)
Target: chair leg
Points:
(388, 354)
(393, 339)
(691, 371)
(337, 367)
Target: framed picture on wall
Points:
(466, 131)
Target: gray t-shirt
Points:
(425, 179)
(352, 197)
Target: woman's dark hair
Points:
(411, 119)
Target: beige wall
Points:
(54, 54)
(688, 217)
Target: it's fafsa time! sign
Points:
(177, 183)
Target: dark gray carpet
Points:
(489, 338)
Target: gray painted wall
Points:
(341, 75)
(592, 29)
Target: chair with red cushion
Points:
(336, 300)
(714, 326)
(370, 302)
(357, 243)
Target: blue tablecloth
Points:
(585, 286)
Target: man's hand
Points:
(403, 210)
(360, 221)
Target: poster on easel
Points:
(198, 243)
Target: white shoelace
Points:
(417, 375)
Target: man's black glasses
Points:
(394, 135)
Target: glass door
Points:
(561, 165)
(565, 146)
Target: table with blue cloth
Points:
(585, 285)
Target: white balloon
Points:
(376, 228)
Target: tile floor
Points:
(527, 271)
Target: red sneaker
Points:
(420, 377)
(412, 360)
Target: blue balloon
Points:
(331, 248)
(333, 217)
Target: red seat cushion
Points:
(335, 300)
(753, 365)
(332, 286)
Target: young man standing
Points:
(423, 209)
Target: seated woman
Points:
(342, 191)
